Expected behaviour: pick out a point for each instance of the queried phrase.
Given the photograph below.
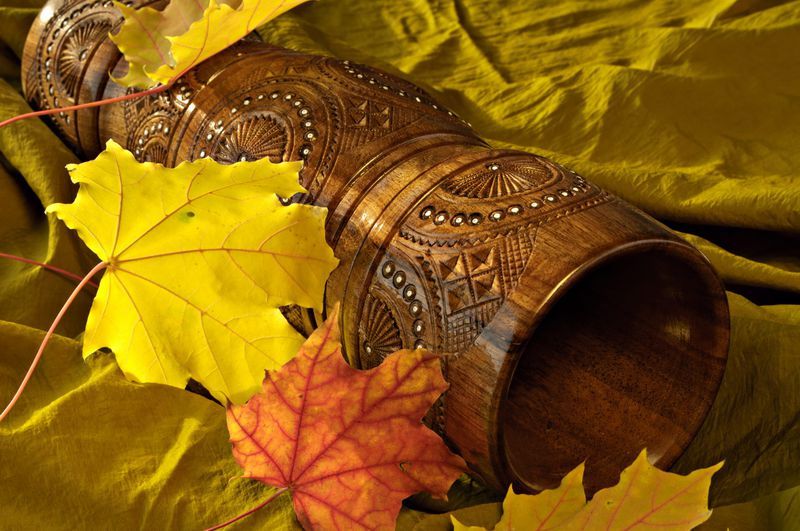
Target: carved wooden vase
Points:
(575, 327)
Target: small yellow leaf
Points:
(161, 45)
(644, 498)
(649, 498)
(199, 258)
(546, 510)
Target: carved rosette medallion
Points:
(496, 179)
(259, 135)
(74, 51)
(281, 118)
(153, 122)
(68, 41)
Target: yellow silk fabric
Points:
(689, 109)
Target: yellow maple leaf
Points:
(199, 258)
(546, 510)
(160, 45)
(644, 498)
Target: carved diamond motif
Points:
(458, 297)
(482, 260)
(471, 279)
(488, 287)
(365, 113)
(453, 268)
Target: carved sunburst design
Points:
(498, 179)
(75, 51)
(378, 332)
(155, 152)
(253, 138)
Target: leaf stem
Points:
(251, 511)
(49, 267)
(89, 104)
(48, 335)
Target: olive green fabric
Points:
(89, 450)
(688, 109)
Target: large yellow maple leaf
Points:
(160, 45)
(199, 258)
(644, 498)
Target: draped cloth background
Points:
(688, 109)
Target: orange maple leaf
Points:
(349, 445)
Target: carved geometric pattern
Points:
(479, 224)
(151, 121)
(256, 137)
(75, 29)
(471, 278)
(365, 113)
(378, 332)
(474, 282)
(519, 248)
(150, 133)
(453, 268)
(368, 120)
(395, 85)
(436, 415)
(482, 260)
(458, 297)
(498, 179)
(244, 124)
(487, 286)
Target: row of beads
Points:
(160, 127)
(400, 92)
(409, 293)
(476, 218)
(65, 22)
